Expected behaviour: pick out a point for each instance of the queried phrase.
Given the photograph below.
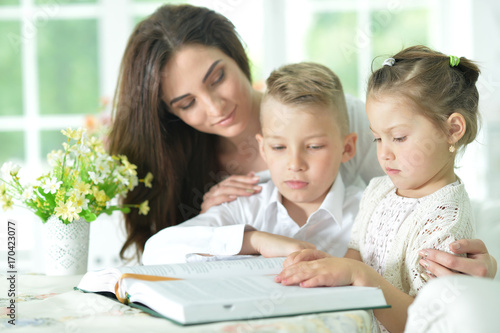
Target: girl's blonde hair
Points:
(428, 78)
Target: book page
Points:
(105, 280)
(223, 268)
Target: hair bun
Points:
(469, 69)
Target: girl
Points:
(422, 109)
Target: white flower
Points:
(28, 194)
(51, 185)
(103, 165)
(82, 149)
(120, 179)
(96, 178)
(54, 157)
(81, 201)
(9, 168)
(133, 182)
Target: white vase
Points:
(66, 246)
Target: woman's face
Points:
(207, 90)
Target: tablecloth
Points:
(50, 304)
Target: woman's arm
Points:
(477, 263)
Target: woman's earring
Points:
(452, 148)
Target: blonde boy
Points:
(305, 138)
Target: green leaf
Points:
(49, 197)
(88, 215)
(43, 216)
(111, 209)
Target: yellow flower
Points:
(130, 168)
(100, 195)
(67, 211)
(3, 189)
(97, 145)
(144, 208)
(82, 187)
(148, 180)
(73, 134)
(8, 203)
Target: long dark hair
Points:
(182, 160)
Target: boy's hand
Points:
(229, 189)
(271, 245)
(304, 255)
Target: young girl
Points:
(422, 108)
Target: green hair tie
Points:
(454, 61)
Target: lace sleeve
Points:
(443, 224)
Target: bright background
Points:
(59, 62)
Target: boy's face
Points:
(303, 148)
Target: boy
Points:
(304, 141)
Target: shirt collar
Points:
(274, 202)
(332, 204)
(334, 200)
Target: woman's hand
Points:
(229, 189)
(477, 263)
(271, 245)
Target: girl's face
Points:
(411, 150)
(207, 90)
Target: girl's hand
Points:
(229, 189)
(477, 263)
(304, 255)
(271, 245)
(326, 272)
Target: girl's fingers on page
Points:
(303, 255)
(293, 274)
(291, 259)
(319, 280)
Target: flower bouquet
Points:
(82, 183)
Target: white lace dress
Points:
(390, 230)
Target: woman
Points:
(186, 111)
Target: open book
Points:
(203, 292)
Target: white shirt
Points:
(219, 231)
